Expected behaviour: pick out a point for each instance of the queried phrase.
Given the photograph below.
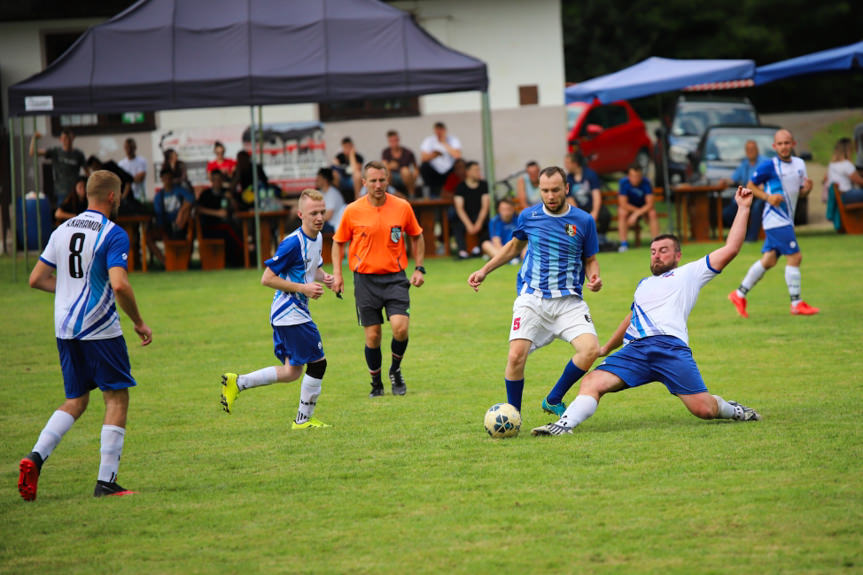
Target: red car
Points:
(611, 136)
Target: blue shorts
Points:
(91, 363)
(662, 358)
(299, 344)
(781, 240)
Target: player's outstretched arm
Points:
(42, 277)
(272, 280)
(721, 257)
(126, 298)
(509, 251)
(616, 339)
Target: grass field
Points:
(413, 484)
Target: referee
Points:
(375, 226)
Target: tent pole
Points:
(488, 148)
(663, 141)
(13, 203)
(23, 193)
(255, 190)
(38, 207)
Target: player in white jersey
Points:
(654, 334)
(293, 272)
(783, 179)
(561, 254)
(84, 266)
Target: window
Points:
(363, 109)
(616, 116)
(55, 44)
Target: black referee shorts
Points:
(375, 292)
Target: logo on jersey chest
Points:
(571, 230)
(396, 234)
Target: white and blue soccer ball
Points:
(502, 420)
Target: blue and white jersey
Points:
(297, 259)
(784, 178)
(82, 250)
(661, 304)
(557, 248)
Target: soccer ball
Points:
(502, 420)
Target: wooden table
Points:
(130, 223)
(699, 197)
(267, 219)
(426, 211)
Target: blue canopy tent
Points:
(835, 59)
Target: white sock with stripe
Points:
(726, 410)
(582, 407)
(753, 276)
(793, 279)
(111, 450)
(310, 390)
(265, 376)
(58, 424)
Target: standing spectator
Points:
(88, 255)
(375, 226)
(401, 163)
(527, 186)
(221, 163)
(348, 164)
(135, 166)
(500, 230)
(332, 198)
(585, 192)
(126, 179)
(214, 207)
(741, 176)
(843, 174)
(66, 163)
(438, 153)
(634, 200)
(242, 181)
(471, 210)
(74, 204)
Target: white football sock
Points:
(258, 378)
(582, 407)
(111, 450)
(310, 389)
(726, 410)
(793, 279)
(58, 424)
(753, 276)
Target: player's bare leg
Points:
(707, 406)
(514, 373)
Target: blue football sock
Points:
(570, 375)
(514, 389)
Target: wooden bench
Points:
(851, 215)
(210, 250)
(179, 252)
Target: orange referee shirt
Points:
(377, 234)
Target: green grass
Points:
(413, 484)
(824, 140)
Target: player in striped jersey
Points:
(293, 272)
(562, 247)
(84, 266)
(654, 334)
(784, 179)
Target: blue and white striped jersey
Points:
(297, 259)
(557, 248)
(82, 250)
(662, 304)
(784, 178)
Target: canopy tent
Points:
(835, 59)
(656, 75)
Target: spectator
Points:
(500, 230)
(173, 207)
(858, 143)
(135, 166)
(741, 177)
(333, 200)
(241, 182)
(349, 166)
(455, 177)
(214, 208)
(221, 163)
(438, 153)
(177, 168)
(843, 174)
(585, 192)
(401, 163)
(471, 210)
(634, 200)
(527, 186)
(75, 203)
(126, 179)
(66, 163)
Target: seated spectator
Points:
(500, 230)
(333, 199)
(634, 200)
(172, 162)
(221, 163)
(471, 210)
(348, 165)
(127, 198)
(242, 182)
(401, 163)
(843, 173)
(455, 177)
(438, 154)
(75, 203)
(527, 186)
(173, 208)
(585, 192)
(214, 207)
(741, 176)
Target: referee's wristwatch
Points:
(420, 269)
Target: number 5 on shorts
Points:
(516, 323)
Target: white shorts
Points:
(540, 320)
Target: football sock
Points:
(514, 389)
(793, 279)
(265, 376)
(58, 424)
(726, 410)
(374, 359)
(753, 276)
(582, 407)
(111, 450)
(570, 375)
(310, 389)
(398, 348)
